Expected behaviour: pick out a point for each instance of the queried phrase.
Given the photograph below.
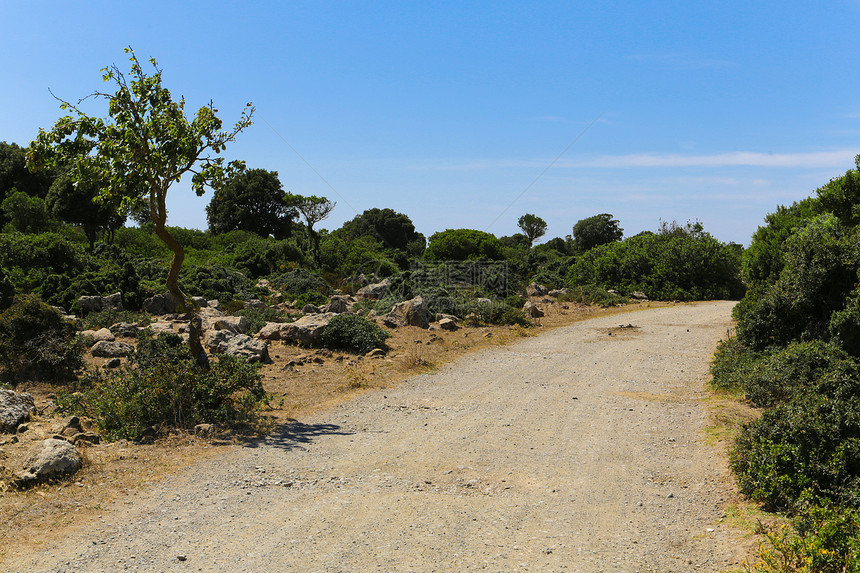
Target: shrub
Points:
(106, 318)
(257, 318)
(298, 282)
(36, 341)
(353, 333)
(592, 294)
(463, 244)
(495, 313)
(804, 450)
(732, 365)
(783, 375)
(162, 387)
(826, 540)
(218, 282)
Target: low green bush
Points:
(353, 333)
(823, 540)
(781, 376)
(162, 387)
(592, 294)
(106, 318)
(478, 313)
(732, 365)
(257, 318)
(805, 449)
(36, 342)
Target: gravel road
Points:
(581, 449)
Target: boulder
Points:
(161, 326)
(448, 323)
(200, 301)
(90, 304)
(15, 409)
(373, 291)
(311, 309)
(128, 329)
(160, 304)
(256, 304)
(531, 310)
(51, 458)
(237, 324)
(535, 289)
(412, 312)
(251, 349)
(230, 343)
(305, 331)
(638, 295)
(557, 292)
(338, 304)
(105, 349)
(102, 334)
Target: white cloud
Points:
(843, 158)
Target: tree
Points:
(145, 145)
(313, 209)
(14, 175)
(533, 227)
(75, 204)
(394, 230)
(25, 214)
(597, 230)
(252, 200)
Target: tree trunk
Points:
(183, 304)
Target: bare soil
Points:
(584, 448)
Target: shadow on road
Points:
(295, 435)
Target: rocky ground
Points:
(582, 449)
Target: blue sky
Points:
(470, 114)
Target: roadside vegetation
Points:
(794, 354)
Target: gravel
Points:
(581, 449)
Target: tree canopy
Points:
(75, 204)
(252, 200)
(533, 227)
(463, 244)
(595, 231)
(313, 209)
(395, 230)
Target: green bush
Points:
(785, 374)
(162, 387)
(804, 450)
(35, 341)
(678, 263)
(824, 540)
(592, 294)
(299, 282)
(478, 313)
(222, 283)
(463, 244)
(353, 333)
(732, 365)
(107, 318)
(257, 318)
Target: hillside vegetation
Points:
(795, 355)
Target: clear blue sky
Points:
(470, 114)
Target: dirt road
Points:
(578, 450)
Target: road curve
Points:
(581, 449)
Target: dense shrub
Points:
(463, 244)
(216, 282)
(35, 341)
(591, 294)
(162, 387)
(353, 333)
(783, 375)
(820, 271)
(299, 282)
(732, 365)
(494, 313)
(678, 263)
(805, 449)
(257, 318)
